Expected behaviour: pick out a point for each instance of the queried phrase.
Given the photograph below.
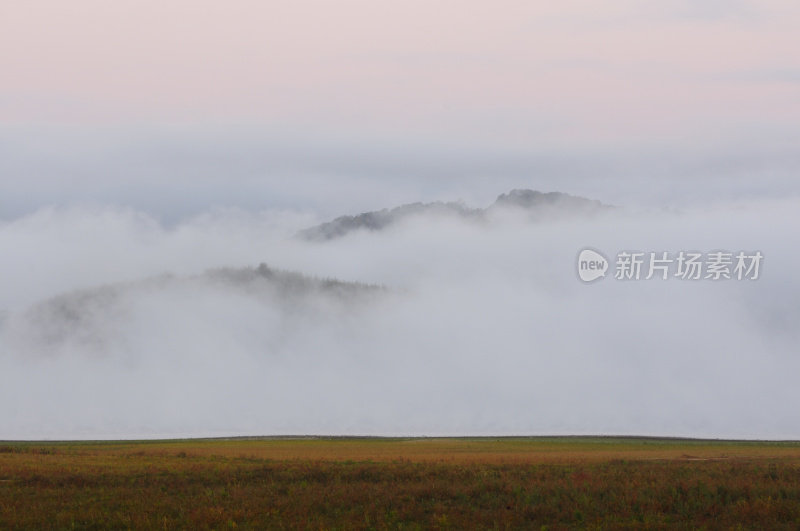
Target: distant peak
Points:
(540, 205)
(531, 198)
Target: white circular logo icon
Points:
(591, 265)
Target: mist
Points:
(178, 172)
(454, 328)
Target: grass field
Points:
(377, 483)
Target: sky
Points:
(143, 138)
(307, 104)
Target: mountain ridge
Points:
(539, 205)
(81, 317)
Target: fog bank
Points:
(481, 328)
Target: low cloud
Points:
(481, 328)
(177, 173)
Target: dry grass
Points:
(454, 450)
(399, 484)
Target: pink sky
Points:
(516, 70)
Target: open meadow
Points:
(394, 483)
